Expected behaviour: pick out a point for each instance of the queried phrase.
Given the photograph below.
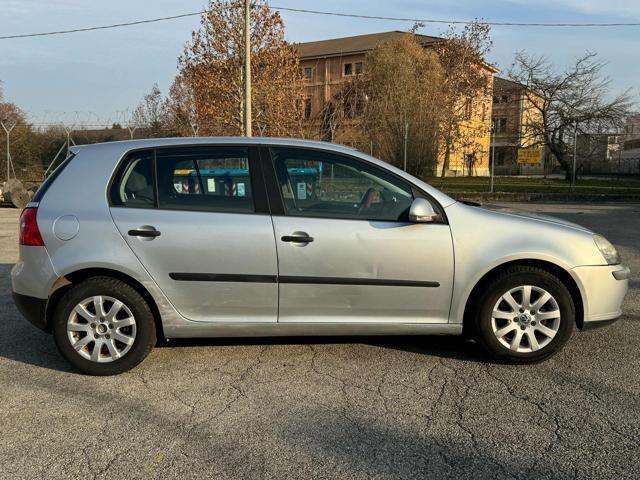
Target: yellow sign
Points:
(529, 156)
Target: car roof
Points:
(176, 141)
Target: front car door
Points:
(346, 249)
(198, 220)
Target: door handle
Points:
(297, 237)
(145, 231)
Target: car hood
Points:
(533, 216)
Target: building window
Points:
(468, 109)
(308, 73)
(350, 69)
(499, 125)
(307, 108)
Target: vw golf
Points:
(128, 242)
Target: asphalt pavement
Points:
(348, 408)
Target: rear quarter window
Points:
(133, 185)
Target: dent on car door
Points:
(346, 249)
(198, 224)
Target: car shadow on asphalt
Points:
(452, 347)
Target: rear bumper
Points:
(32, 308)
(603, 289)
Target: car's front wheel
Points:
(103, 326)
(525, 314)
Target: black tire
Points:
(511, 278)
(145, 335)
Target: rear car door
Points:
(346, 249)
(198, 220)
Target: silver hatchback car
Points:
(128, 242)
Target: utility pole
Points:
(575, 151)
(493, 154)
(8, 132)
(247, 68)
(406, 138)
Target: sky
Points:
(95, 77)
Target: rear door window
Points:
(215, 179)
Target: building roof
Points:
(356, 44)
(500, 82)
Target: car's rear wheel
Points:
(525, 314)
(103, 326)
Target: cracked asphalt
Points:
(386, 408)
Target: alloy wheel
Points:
(101, 329)
(525, 319)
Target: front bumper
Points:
(32, 308)
(603, 289)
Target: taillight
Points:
(29, 232)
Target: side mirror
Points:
(422, 211)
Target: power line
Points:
(102, 27)
(335, 14)
(462, 22)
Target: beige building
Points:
(328, 64)
(513, 115)
(628, 160)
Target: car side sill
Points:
(229, 329)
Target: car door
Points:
(197, 218)
(346, 249)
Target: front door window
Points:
(321, 184)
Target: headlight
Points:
(608, 251)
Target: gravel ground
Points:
(329, 408)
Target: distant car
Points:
(127, 242)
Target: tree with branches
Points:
(402, 103)
(212, 68)
(151, 112)
(568, 103)
(465, 84)
(23, 149)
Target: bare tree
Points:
(466, 84)
(565, 102)
(151, 112)
(23, 149)
(211, 67)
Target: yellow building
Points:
(328, 64)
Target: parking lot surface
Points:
(388, 408)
